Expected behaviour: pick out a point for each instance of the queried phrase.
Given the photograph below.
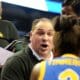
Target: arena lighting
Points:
(55, 7)
(43, 5)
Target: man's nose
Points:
(45, 37)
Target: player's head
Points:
(67, 35)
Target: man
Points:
(71, 7)
(8, 31)
(67, 46)
(19, 66)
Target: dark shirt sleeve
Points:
(13, 69)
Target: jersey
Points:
(66, 67)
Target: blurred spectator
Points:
(19, 44)
(71, 7)
(8, 31)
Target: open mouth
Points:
(44, 45)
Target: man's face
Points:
(42, 37)
(67, 10)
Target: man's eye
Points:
(51, 34)
(40, 33)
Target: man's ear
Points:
(30, 34)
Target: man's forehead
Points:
(44, 28)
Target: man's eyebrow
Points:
(47, 30)
(44, 29)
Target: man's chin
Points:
(44, 52)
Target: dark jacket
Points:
(8, 32)
(19, 66)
